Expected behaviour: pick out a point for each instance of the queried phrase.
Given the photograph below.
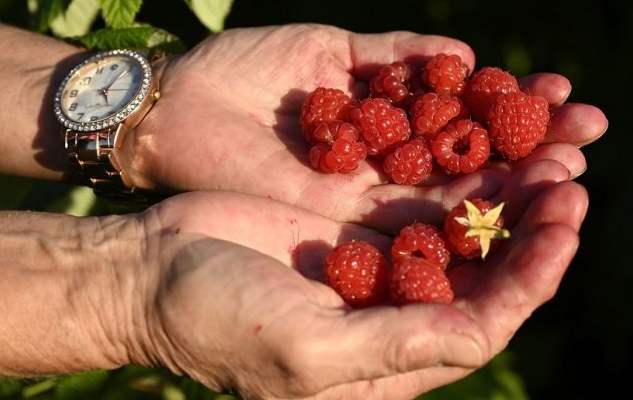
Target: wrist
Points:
(70, 292)
(137, 154)
(29, 77)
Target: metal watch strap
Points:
(90, 153)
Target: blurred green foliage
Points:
(578, 345)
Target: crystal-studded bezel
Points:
(124, 112)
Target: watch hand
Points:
(104, 92)
(106, 88)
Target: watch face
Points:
(103, 90)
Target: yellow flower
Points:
(483, 225)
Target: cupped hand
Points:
(240, 304)
(228, 119)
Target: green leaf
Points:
(42, 12)
(9, 387)
(211, 13)
(76, 20)
(119, 13)
(38, 388)
(136, 37)
(81, 385)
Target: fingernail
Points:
(460, 350)
(575, 175)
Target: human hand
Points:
(229, 118)
(231, 311)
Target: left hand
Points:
(229, 119)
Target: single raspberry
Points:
(409, 163)
(432, 112)
(382, 126)
(416, 280)
(421, 241)
(483, 85)
(391, 82)
(472, 228)
(517, 122)
(445, 73)
(358, 272)
(463, 147)
(324, 105)
(338, 148)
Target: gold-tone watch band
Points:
(90, 153)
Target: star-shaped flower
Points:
(483, 225)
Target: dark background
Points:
(578, 346)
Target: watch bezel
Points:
(125, 112)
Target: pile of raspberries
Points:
(420, 255)
(415, 120)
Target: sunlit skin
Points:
(225, 285)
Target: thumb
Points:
(341, 347)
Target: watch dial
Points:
(101, 88)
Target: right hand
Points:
(230, 310)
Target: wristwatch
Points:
(98, 103)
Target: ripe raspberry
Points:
(421, 241)
(483, 86)
(382, 126)
(410, 163)
(324, 105)
(517, 122)
(416, 280)
(358, 272)
(463, 147)
(338, 148)
(473, 228)
(430, 113)
(445, 73)
(391, 82)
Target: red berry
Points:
(358, 272)
(483, 86)
(416, 280)
(410, 163)
(430, 113)
(337, 149)
(421, 241)
(463, 147)
(391, 82)
(445, 73)
(382, 126)
(517, 122)
(324, 105)
(473, 228)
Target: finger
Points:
(567, 154)
(390, 207)
(380, 342)
(546, 242)
(554, 87)
(301, 237)
(565, 203)
(529, 276)
(526, 184)
(579, 124)
(404, 386)
(371, 51)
